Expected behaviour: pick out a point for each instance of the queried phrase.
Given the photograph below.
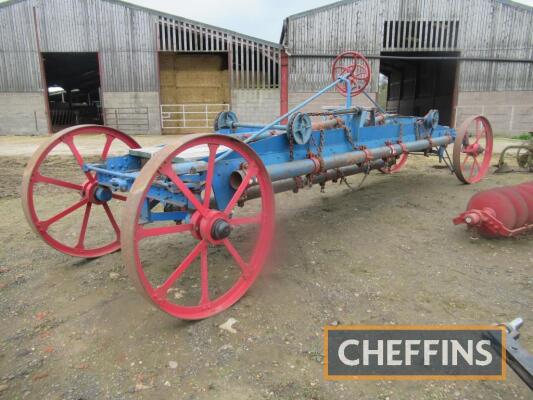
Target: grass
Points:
(523, 136)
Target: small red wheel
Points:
(356, 68)
(208, 271)
(397, 166)
(472, 150)
(73, 190)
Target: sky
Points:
(259, 18)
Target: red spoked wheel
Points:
(202, 265)
(472, 150)
(357, 70)
(60, 199)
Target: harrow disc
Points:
(214, 254)
(472, 150)
(357, 70)
(74, 191)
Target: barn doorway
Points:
(419, 82)
(73, 81)
(194, 89)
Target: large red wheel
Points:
(203, 265)
(472, 150)
(356, 68)
(59, 198)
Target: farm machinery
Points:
(206, 202)
(523, 154)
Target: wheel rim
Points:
(87, 202)
(472, 150)
(358, 69)
(199, 298)
(396, 167)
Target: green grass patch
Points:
(523, 136)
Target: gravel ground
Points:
(386, 254)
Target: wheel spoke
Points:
(245, 268)
(70, 143)
(204, 298)
(163, 289)
(464, 161)
(210, 172)
(245, 220)
(107, 146)
(168, 171)
(84, 224)
(119, 197)
(252, 171)
(56, 182)
(63, 214)
(111, 219)
(474, 164)
(162, 230)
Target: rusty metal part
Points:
(330, 175)
(327, 124)
(524, 157)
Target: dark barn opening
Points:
(73, 82)
(417, 85)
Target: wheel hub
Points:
(220, 230)
(95, 193)
(474, 149)
(213, 227)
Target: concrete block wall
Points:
(261, 106)
(509, 112)
(23, 114)
(138, 112)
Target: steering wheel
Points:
(355, 67)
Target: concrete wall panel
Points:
(139, 110)
(22, 114)
(508, 112)
(260, 106)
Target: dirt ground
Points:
(386, 254)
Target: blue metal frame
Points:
(119, 173)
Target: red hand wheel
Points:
(355, 67)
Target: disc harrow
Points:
(198, 215)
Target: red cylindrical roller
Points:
(503, 208)
(519, 204)
(504, 211)
(526, 190)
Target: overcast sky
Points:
(260, 18)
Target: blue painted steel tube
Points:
(307, 166)
(247, 125)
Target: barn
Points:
(67, 62)
(461, 57)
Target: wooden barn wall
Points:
(475, 28)
(125, 38)
(19, 58)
